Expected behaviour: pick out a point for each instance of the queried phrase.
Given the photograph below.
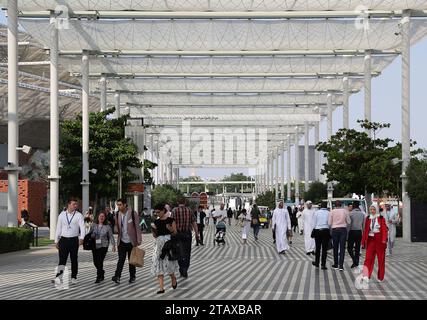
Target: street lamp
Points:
(94, 171)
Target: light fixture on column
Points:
(94, 171)
(25, 149)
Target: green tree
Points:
(165, 194)
(316, 193)
(361, 164)
(417, 180)
(107, 146)
(194, 187)
(237, 177)
(266, 199)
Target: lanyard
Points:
(69, 221)
(98, 230)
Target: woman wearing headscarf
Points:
(375, 241)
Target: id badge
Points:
(98, 241)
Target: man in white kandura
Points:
(308, 215)
(282, 226)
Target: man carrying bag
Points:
(129, 237)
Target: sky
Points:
(386, 106)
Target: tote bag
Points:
(137, 257)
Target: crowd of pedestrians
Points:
(338, 229)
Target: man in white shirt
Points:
(70, 232)
(221, 214)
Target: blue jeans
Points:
(256, 230)
(339, 236)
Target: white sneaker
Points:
(366, 280)
(378, 280)
(73, 281)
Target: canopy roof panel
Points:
(223, 35)
(228, 84)
(268, 64)
(223, 5)
(225, 99)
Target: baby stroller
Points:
(220, 233)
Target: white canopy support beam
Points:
(346, 93)
(406, 133)
(12, 114)
(306, 159)
(103, 93)
(85, 138)
(242, 53)
(288, 175)
(276, 192)
(149, 15)
(54, 131)
(297, 166)
(368, 88)
(213, 91)
(282, 151)
(227, 75)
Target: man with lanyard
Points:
(200, 216)
(70, 232)
(129, 236)
(184, 222)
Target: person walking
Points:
(321, 234)
(300, 221)
(282, 226)
(338, 220)
(246, 223)
(110, 218)
(200, 216)
(70, 232)
(103, 236)
(129, 236)
(291, 213)
(255, 215)
(392, 219)
(229, 215)
(357, 218)
(374, 240)
(307, 216)
(161, 264)
(185, 221)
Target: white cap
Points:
(309, 202)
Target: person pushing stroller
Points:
(221, 216)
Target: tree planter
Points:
(418, 222)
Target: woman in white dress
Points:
(246, 225)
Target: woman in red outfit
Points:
(375, 241)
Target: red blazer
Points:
(383, 231)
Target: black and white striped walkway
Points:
(234, 271)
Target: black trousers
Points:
(69, 246)
(184, 259)
(353, 245)
(98, 260)
(123, 249)
(322, 242)
(200, 229)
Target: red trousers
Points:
(375, 247)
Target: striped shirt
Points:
(183, 218)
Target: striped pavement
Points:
(234, 271)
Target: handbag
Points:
(137, 257)
(254, 221)
(89, 242)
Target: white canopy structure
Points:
(274, 66)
